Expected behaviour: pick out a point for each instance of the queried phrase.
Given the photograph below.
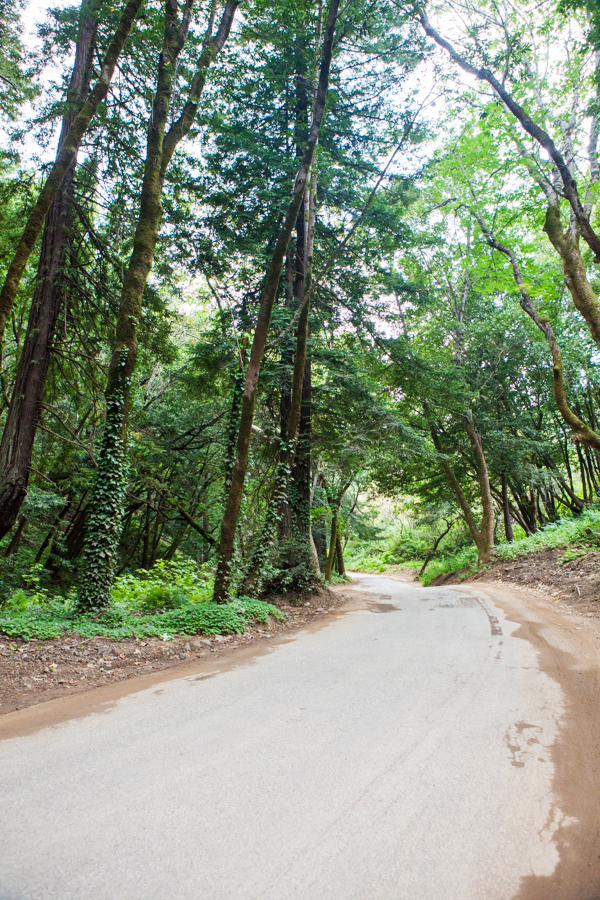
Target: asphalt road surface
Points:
(414, 746)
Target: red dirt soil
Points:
(574, 585)
(34, 671)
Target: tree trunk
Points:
(300, 478)
(64, 161)
(508, 529)
(483, 537)
(566, 245)
(436, 544)
(332, 545)
(106, 512)
(533, 129)
(49, 539)
(486, 533)
(584, 299)
(314, 556)
(16, 538)
(23, 416)
(234, 500)
(291, 409)
(334, 504)
(339, 557)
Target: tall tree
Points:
(106, 510)
(270, 291)
(25, 407)
(65, 157)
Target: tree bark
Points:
(487, 519)
(508, 529)
(335, 504)
(24, 413)
(575, 275)
(332, 545)
(104, 524)
(17, 536)
(436, 544)
(300, 476)
(339, 557)
(234, 500)
(64, 161)
(483, 537)
(291, 406)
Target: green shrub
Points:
(170, 584)
(465, 560)
(172, 598)
(195, 618)
(578, 535)
(583, 532)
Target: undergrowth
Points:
(172, 598)
(578, 535)
(464, 561)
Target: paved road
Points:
(399, 752)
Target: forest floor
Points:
(35, 671)
(574, 584)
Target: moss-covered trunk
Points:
(106, 509)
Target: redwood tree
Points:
(24, 412)
(269, 294)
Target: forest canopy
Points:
(281, 284)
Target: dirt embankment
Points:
(574, 583)
(35, 671)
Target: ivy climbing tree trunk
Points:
(18, 437)
(278, 504)
(65, 158)
(106, 508)
(270, 291)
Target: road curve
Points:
(404, 750)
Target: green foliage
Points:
(404, 539)
(205, 618)
(172, 598)
(290, 568)
(582, 533)
(168, 585)
(464, 562)
(578, 535)
(15, 83)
